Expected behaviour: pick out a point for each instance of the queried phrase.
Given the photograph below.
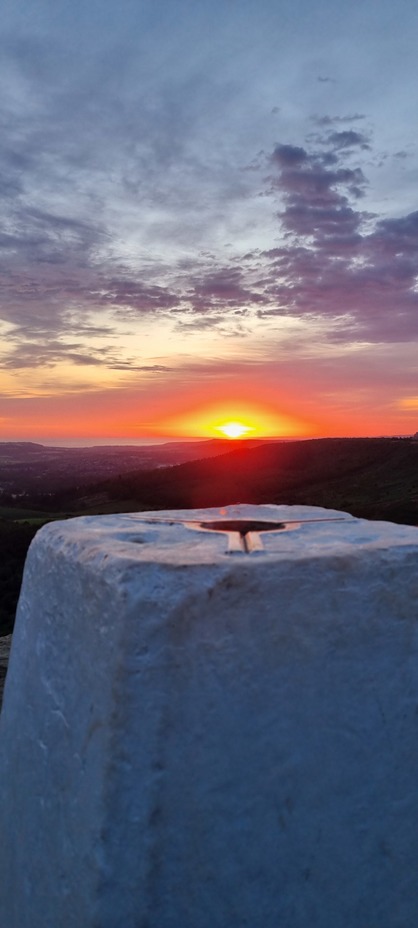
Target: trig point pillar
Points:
(211, 721)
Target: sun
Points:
(234, 429)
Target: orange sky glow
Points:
(159, 411)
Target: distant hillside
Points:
(27, 468)
(372, 478)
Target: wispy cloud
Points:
(337, 120)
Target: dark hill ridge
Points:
(372, 478)
(20, 450)
(20, 447)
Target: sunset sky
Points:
(209, 213)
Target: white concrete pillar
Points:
(197, 737)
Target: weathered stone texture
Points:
(197, 739)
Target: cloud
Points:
(334, 260)
(225, 288)
(37, 354)
(316, 192)
(287, 156)
(335, 120)
(105, 188)
(134, 295)
(142, 368)
(52, 353)
(339, 260)
(117, 204)
(348, 138)
(398, 237)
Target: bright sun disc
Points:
(234, 429)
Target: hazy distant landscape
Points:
(30, 469)
(370, 478)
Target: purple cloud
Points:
(131, 294)
(348, 138)
(335, 262)
(287, 156)
(225, 288)
(316, 194)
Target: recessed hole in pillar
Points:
(243, 526)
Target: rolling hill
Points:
(371, 478)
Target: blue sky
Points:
(208, 199)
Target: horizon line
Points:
(147, 442)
